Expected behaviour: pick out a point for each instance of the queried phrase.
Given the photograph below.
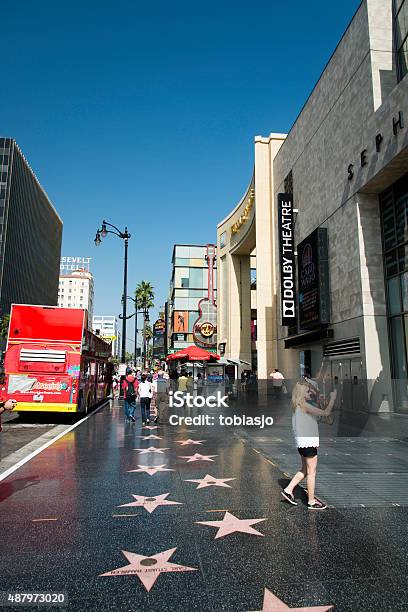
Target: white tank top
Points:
(305, 428)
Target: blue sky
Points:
(145, 114)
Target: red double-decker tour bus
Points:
(53, 362)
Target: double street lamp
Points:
(102, 233)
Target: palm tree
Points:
(144, 295)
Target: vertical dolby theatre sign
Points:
(287, 258)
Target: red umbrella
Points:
(193, 353)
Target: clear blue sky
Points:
(145, 113)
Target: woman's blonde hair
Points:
(298, 394)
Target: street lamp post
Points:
(134, 300)
(102, 233)
(145, 320)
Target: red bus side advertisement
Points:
(52, 362)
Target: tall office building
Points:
(193, 282)
(76, 290)
(30, 234)
(106, 326)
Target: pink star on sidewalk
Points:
(150, 437)
(231, 524)
(187, 442)
(271, 603)
(148, 569)
(151, 449)
(150, 503)
(210, 481)
(152, 470)
(197, 457)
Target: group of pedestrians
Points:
(150, 389)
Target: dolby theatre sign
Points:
(287, 258)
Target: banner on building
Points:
(159, 328)
(313, 279)
(287, 258)
(70, 264)
(180, 321)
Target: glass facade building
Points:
(30, 234)
(401, 36)
(189, 284)
(394, 223)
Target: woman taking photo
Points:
(306, 432)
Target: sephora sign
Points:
(287, 258)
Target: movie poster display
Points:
(313, 280)
(180, 321)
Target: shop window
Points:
(404, 291)
(394, 298)
(403, 258)
(398, 348)
(192, 318)
(391, 263)
(401, 220)
(183, 252)
(401, 36)
(196, 278)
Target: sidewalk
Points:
(363, 459)
(67, 527)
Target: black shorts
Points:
(308, 451)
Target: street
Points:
(96, 512)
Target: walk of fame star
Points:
(189, 441)
(152, 470)
(211, 481)
(150, 437)
(271, 603)
(148, 569)
(150, 503)
(231, 524)
(151, 449)
(197, 457)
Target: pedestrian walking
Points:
(182, 381)
(200, 383)
(306, 432)
(278, 383)
(145, 393)
(130, 386)
(190, 383)
(161, 387)
(116, 385)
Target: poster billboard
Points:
(180, 321)
(215, 373)
(158, 339)
(313, 280)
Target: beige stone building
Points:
(245, 240)
(344, 164)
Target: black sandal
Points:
(289, 497)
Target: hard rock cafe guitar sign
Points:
(205, 327)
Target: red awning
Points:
(193, 353)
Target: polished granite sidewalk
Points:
(188, 518)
